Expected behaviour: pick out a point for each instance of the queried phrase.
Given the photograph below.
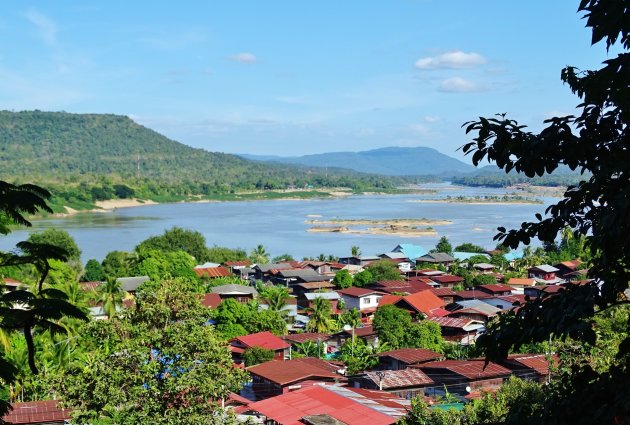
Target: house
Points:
(291, 277)
(409, 250)
(290, 308)
(211, 300)
(241, 268)
(320, 339)
(131, 284)
(265, 339)
(506, 302)
(445, 294)
(402, 358)
(302, 290)
(425, 303)
(518, 284)
(367, 333)
(279, 377)
(45, 412)
(12, 284)
(212, 272)
(465, 256)
(544, 274)
(529, 366)
(472, 309)
(436, 258)
(539, 291)
(332, 297)
(363, 299)
(447, 280)
(457, 375)
(567, 267)
(470, 294)
(401, 286)
(86, 286)
(495, 289)
(404, 383)
(362, 260)
(484, 268)
(400, 259)
(262, 271)
(462, 331)
(331, 405)
(241, 293)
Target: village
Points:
(298, 374)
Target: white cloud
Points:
(451, 60)
(459, 85)
(244, 58)
(46, 26)
(431, 118)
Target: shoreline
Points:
(447, 201)
(402, 222)
(403, 231)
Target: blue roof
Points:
(513, 255)
(411, 251)
(463, 256)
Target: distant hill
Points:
(392, 161)
(95, 156)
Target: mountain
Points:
(392, 161)
(90, 157)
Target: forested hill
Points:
(393, 161)
(99, 153)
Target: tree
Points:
(118, 264)
(355, 251)
(392, 325)
(110, 294)
(60, 238)
(443, 245)
(359, 356)
(343, 279)
(284, 258)
(219, 254)
(259, 255)
(384, 270)
(469, 247)
(276, 298)
(363, 278)
(178, 239)
(93, 271)
(256, 355)
(596, 143)
(320, 316)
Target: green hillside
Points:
(89, 157)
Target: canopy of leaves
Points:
(383, 270)
(60, 238)
(177, 239)
(395, 327)
(256, 355)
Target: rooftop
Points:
(307, 336)
(456, 322)
(355, 291)
(521, 281)
(447, 278)
(234, 289)
(495, 288)
(130, 284)
(332, 295)
(289, 371)
(399, 378)
(545, 268)
(36, 412)
(212, 272)
(423, 301)
(411, 355)
(470, 369)
(261, 339)
(435, 257)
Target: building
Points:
(265, 340)
(458, 375)
(241, 293)
(425, 303)
(566, 267)
(495, 289)
(447, 280)
(212, 272)
(363, 299)
(37, 412)
(529, 366)
(332, 405)
(402, 358)
(436, 258)
(460, 330)
(544, 273)
(518, 284)
(280, 377)
(131, 284)
(404, 383)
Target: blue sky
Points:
(296, 77)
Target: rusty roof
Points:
(351, 406)
(536, 362)
(37, 412)
(443, 292)
(447, 278)
(211, 300)
(521, 281)
(453, 322)
(213, 272)
(399, 378)
(469, 369)
(290, 371)
(307, 336)
(261, 339)
(494, 288)
(423, 301)
(411, 355)
(86, 286)
(240, 263)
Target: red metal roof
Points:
(423, 301)
(521, 281)
(36, 412)
(537, 362)
(241, 263)
(471, 295)
(443, 292)
(452, 322)
(411, 355)
(211, 300)
(290, 371)
(389, 299)
(363, 331)
(86, 286)
(290, 408)
(470, 369)
(213, 272)
(495, 288)
(447, 278)
(400, 378)
(307, 336)
(261, 339)
(355, 291)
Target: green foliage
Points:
(284, 258)
(320, 316)
(60, 238)
(259, 255)
(219, 254)
(93, 271)
(160, 265)
(256, 355)
(363, 278)
(469, 247)
(118, 264)
(395, 327)
(443, 245)
(234, 319)
(308, 349)
(359, 356)
(483, 279)
(110, 294)
(355, 251)
(276, 297)
(383, 270)
(177, 239)
(343, 279)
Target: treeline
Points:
(504, 180)
(84, 158)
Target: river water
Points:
(280, 224)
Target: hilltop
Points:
(392, 161)
(90, 157)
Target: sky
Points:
(296, 77)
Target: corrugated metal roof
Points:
(494, 288)
(212, 272)
(233, 288)
(290, 371)
(35, 412)
(130, 284)
(390, 379)
(332, 295)
(261, 339)
(545, 268)
(470, 369)
(355, 291)
(307, 336)
(411, 355)
(447, 278)
(423, 301)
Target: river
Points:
(280, 225)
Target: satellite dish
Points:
(347, 327)
(468, 389)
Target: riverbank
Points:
(402, 231)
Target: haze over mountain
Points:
(392, 161)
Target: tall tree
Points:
(60, 238)
(595, 142)
(110, 294)
(178, 239)
(259, 255)
(320, 316)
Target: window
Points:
(366, 300)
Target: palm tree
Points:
(275, 297)
(355, 251)
(320, 316)
(259, 255)
(110, 294)
(350, 317)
